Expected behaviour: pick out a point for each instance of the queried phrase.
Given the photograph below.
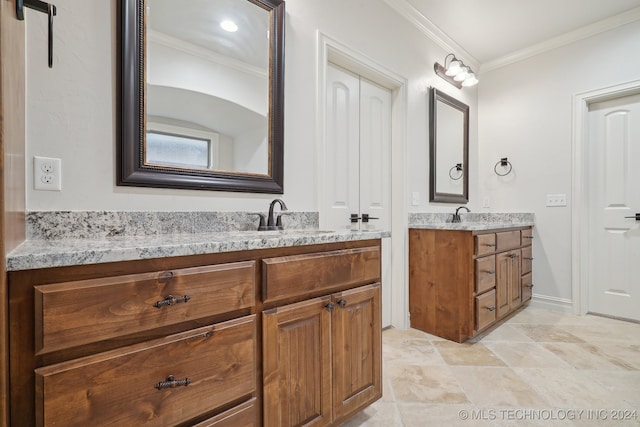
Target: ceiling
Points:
(197, 22)
(492, 29)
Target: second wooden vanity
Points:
(463, 281)
(285, 336)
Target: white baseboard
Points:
(562, 305)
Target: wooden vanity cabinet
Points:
(322, 356)
(179, 341)
(462, 282)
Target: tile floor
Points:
(539, 368)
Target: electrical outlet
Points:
(415, 198)
(555, 200)
(47, 174)
(486, 202)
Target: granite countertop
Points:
(471, 226)
(471, 221)
(45, 253)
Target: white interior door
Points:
(614, 195)
(358, 162)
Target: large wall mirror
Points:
(449, 149)
(201, 94)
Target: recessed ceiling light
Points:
(229, 26)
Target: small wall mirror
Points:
(449, 149)
(201, 94)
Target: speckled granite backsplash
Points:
(99, 224)
(418, 218)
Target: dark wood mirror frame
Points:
(131, 170)
(435, 196)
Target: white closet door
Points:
(358, 162)
(614, 193)
(375, 155)
(342, 155)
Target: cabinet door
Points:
(508, 292)
(296, 352)
(357, 343)
(527, 287)
(515, 285)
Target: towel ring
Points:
(457, 167)
(504, 163)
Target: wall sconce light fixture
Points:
(456, 72)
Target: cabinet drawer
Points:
(76, 313)
(485, 309)
(124, 386)
(244, 415)
(527, 259)
(508, 240)
(526, 236)
(485, 244)
(527, 287)
(299, 275)
(485, 273)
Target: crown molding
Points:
(200, 52)
(422, 23)
(564, 39)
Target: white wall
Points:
(525, 114)
(71, 110)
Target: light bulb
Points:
(453, 68)
(471, 80)
(462, 74)
(229, 26)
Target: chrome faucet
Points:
(456, 216)
(275, 224)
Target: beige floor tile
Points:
(569, 388)
(623, 385)
(410, 352)
(504, 332)
(426, 384)
(612, 333)
(490, 387)
(596, 357)
(547, 333)
(526, 355)
(474, 354)
(537, 316)
(424, 415)
(380, 414)
(555, 361)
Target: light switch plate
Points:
(556, 200)
(486, 202)
(415, 198)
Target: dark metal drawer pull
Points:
(330, 306)
(529, 258)
(171, 382)
(527, 237)
(492, 245)
(342, 303)
(489, 271)
(529, 286)
(171, 300)
(491, 308)
(512, 256)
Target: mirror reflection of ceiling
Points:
(198, 23)
(211, 112)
